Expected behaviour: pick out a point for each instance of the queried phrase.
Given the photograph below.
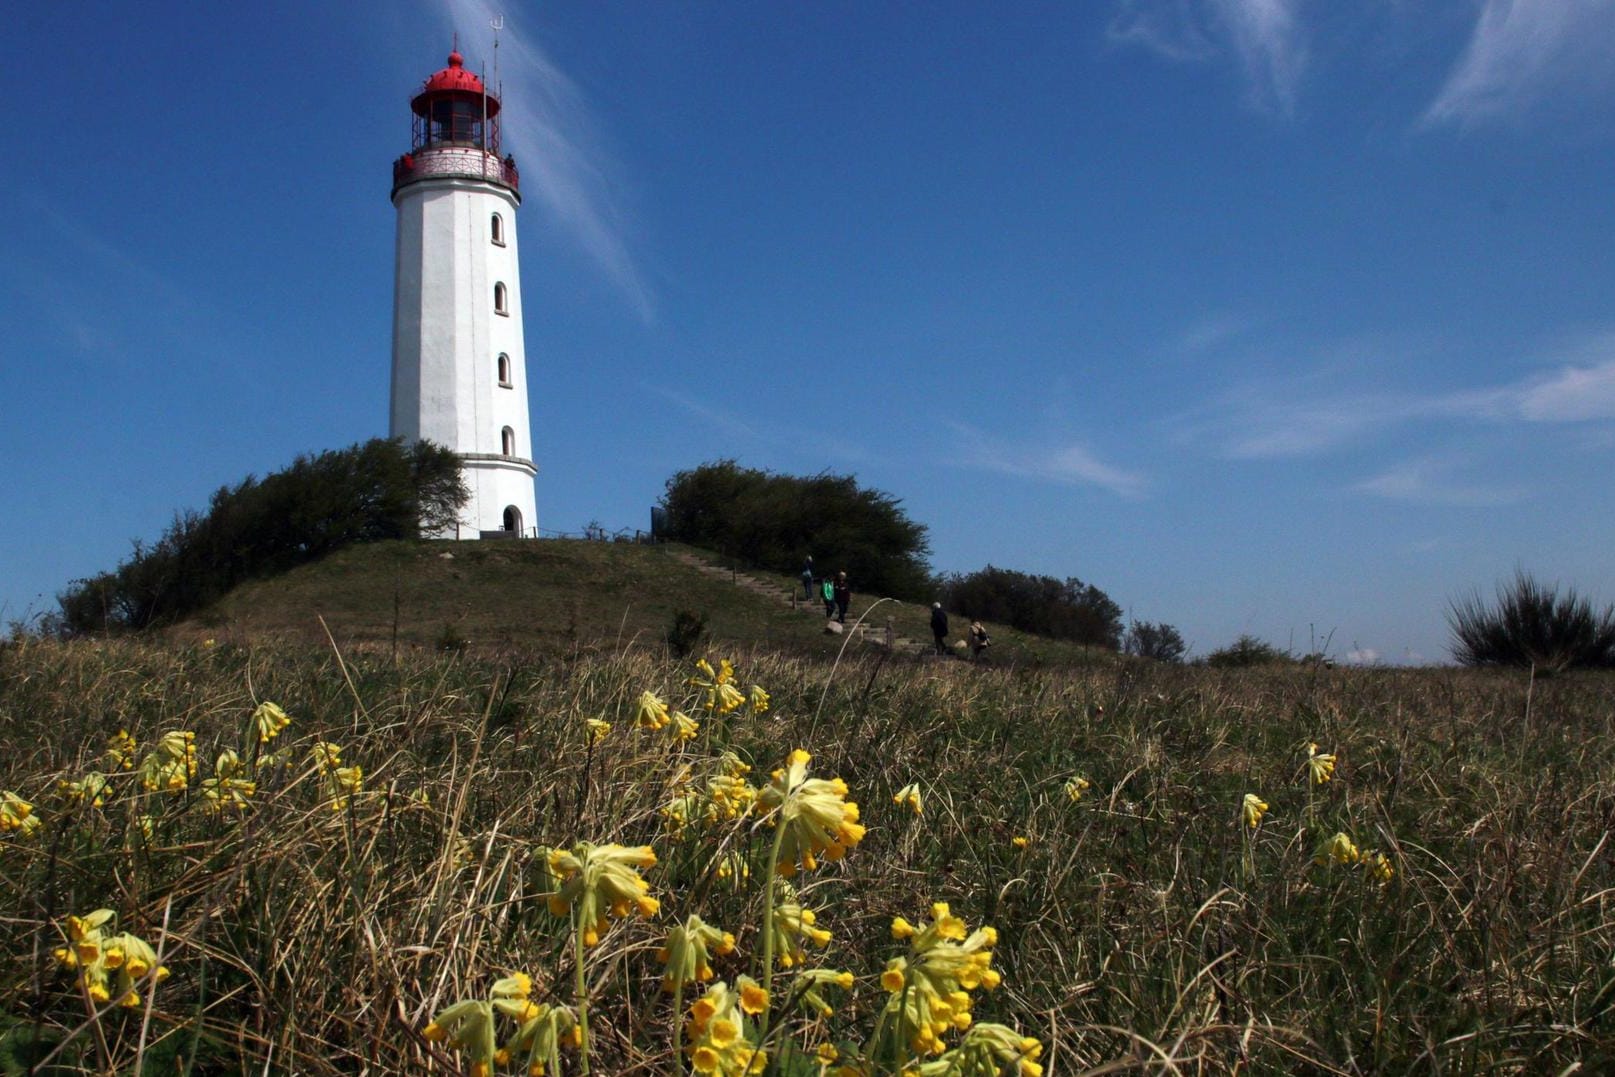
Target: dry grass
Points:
(1140, 929)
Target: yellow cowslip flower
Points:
(733, 870)
(1338, 850)
(758, 699)
(650, 712)
(688, 950)
(721, 694)
(1253, 808)
(826, 1053)
(17, 816)
(91, 789)
(467, 1026)
(326, 756)
(793, 924)
(1379, 867)
(1020, 841)
(716, 1035)
(343, 783)
(808, 986)
(988, 1047)
(1321, 767)
(225, 792)
(542, 1036)
(110, 966)
(597, 880)
(929, 987)
(269, 720)
(815, 813)
(120, 753)
(171, 764)
(910, 795)
(595, 730)
(681, 727)
(1075, 787)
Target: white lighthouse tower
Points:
(459, 368)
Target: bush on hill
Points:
(1532, 625)
(1060, 609)
(1246, 651)
(1161, 642)
(366, 493)
(775, 521)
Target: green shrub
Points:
(1532, 625)
(1244, 652)
(685, 632)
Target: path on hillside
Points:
(868, 632)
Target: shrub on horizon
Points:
(1532, 625)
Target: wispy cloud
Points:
(1311, 413)
(548, 126)
(1522, 50)
(711, 418)
(1266, 36)
(1434, 480)
(1071, 464)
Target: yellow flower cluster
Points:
(724, 795)
(121, 749)
(986, 1049)
(909, 796)
(1075, 787)
(269, 720)
(1341, 850)
(471, 1027)
(1253, 808)
(721, 694)
(1320, 766)
(716, 1031)
(227, 790)
(688, 952)
(595, 730)
(597, 880)
(109, 965)
(651, 711)
(815, 814)
(793, 924)
(808, 988)
(930, 986)
(758, 699)
(170, 766)
(91, 789)
(17, 816)
(341, 782)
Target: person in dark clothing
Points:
(843, 596)
(807, 579)
(939, 627)
(828, 590)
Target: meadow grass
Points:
(1144, 927)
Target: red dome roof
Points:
(453, 81)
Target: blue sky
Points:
(1288, 317)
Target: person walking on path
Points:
(828, 591)
(807, 579)
(939, 627)
(843, 595)
(978, 640)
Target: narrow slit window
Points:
(500, 299)
(507, 441)
(504, 370)
(496, 228)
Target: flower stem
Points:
(768, 924)
(580, 992)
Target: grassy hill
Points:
(556, 595)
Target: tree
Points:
(1532, 625)
(378, 490)
(1061, 609)
(774, 521)
(1161, 642)
(1246, 651)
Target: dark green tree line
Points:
(378, 490)
(1061, 609)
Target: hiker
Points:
(828, 590)
(843, 595)
(807, 579)
(978, 640)
(939, 627)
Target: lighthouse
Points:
(459, 374)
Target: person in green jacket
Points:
(828, 590)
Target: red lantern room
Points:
(455, 130)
